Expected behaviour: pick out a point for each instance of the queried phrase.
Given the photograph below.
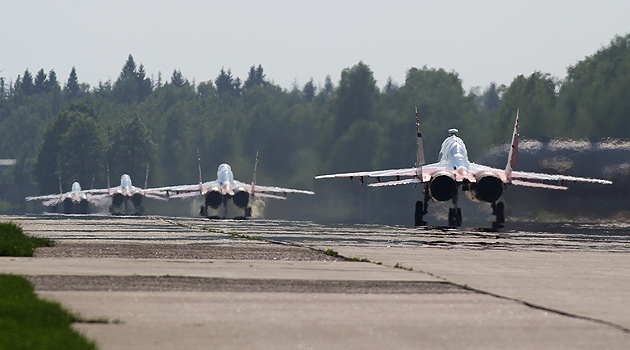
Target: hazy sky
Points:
(294, 41)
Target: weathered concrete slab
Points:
(188, 320)
(579, 283)
(584, 283)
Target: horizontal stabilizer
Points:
(153, 196)
(266, 195)
(51, 202)
(396, 183)
(538, 185)
(185, 195)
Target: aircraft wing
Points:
(426, 170)
(43, 198)
(182, 191)
(550, 177)
(257, 189)
(47, 200)
(101, 190)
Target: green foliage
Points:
(535, 96)
(13, 242)
(132, 85)
(83, 148)
(131, 148)
(331, 252)
(72, 88)
(595, 95)
(30, 323)
(73, 129)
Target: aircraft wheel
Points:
(500, 212)
(248, 212)
(418, 215)
(451, 217)
(458, 217)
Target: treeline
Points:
(75, 131)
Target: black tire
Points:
(500, 212)
(451, 217)
(418, 215)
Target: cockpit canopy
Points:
(225, 173)
(125, 181)
(454, 151)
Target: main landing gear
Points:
(421, 208)
(498, 212)
(205, 212)
(455, 213)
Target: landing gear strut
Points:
(421, 208)
(455, 214)
(498, 211)
(455, 217)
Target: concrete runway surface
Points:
(185, 283)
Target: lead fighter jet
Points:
(453, 171)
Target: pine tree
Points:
(72, 87)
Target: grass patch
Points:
(13, 241)
(331, 252)
(27, 322)
(400, 266)
(360, 259)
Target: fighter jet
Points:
(127, 193)
(74, 202)
(453, 171)
(217, 193)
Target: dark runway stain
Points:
(241, 285)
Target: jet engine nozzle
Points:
(214, 199)
(240, 198)
(488, 188)
(443, 186)
(136, 200)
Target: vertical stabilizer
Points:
(60, 190)
(254, 179)
(511, 164)
(420, 161)
(146, 178)
(108, 185)
(200, 179)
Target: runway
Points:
(256, 284)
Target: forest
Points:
(68, 129)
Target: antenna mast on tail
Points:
(511, 164)
(420, 160)
(146, 178)
(108, 185)
(200, 180)
(254, 179)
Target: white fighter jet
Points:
(127, 193)
(453, 171)
(74, 202)
(217, 193)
